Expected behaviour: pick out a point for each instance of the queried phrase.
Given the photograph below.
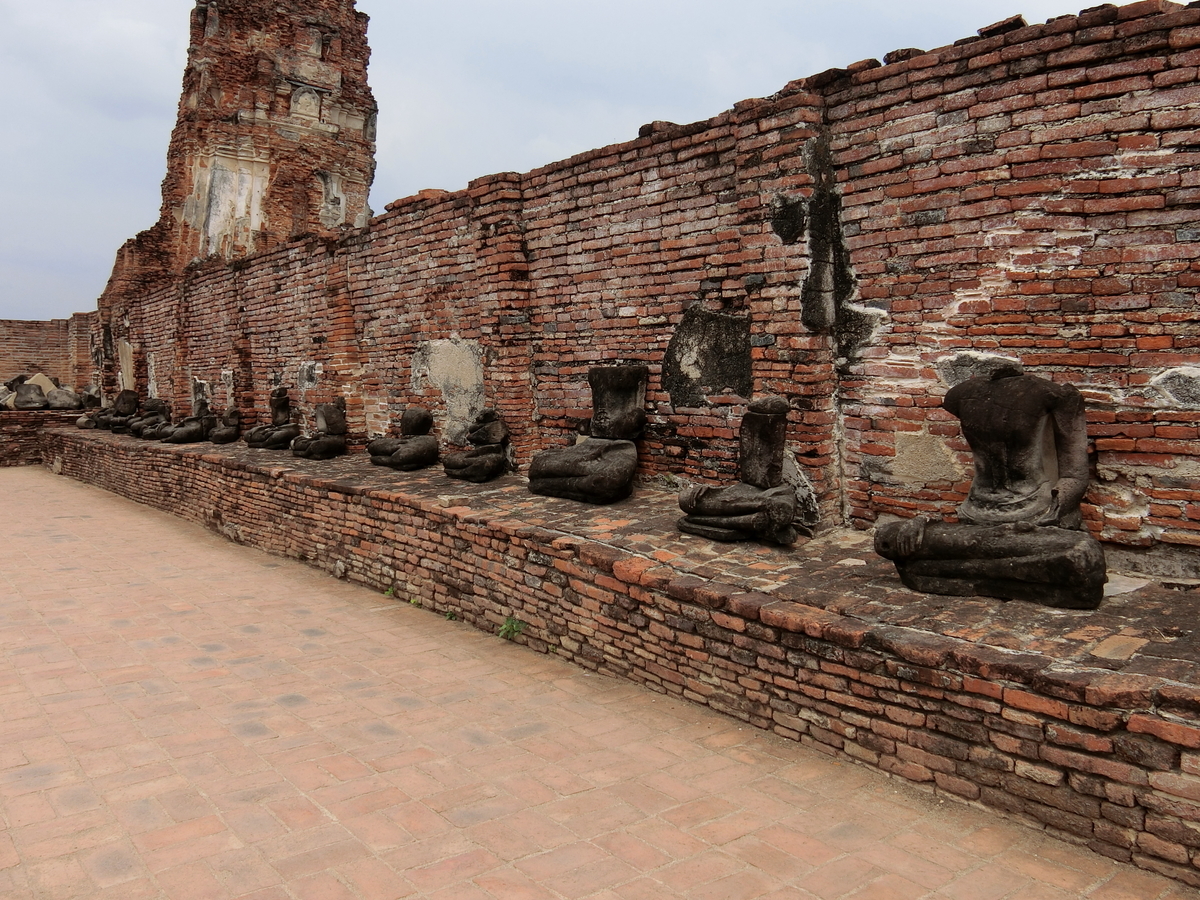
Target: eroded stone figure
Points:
(195, 428)
(329, 438)
(760, 507)
(1018, 536)
(155, 412)
(600, 468)
(30, 396)
(118, 416)
(488, 456)
(61, 398)
(230, 428)
(281, 432)
(415, 449)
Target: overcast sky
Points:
(465, 88)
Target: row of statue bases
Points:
(1018, 535)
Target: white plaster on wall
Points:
(151, 375)
(226, 203)
(455, 368)
(126, 378)
(923, 458)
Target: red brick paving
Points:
(181, 717)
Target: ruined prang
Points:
(274, 140)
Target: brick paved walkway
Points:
(181, 717)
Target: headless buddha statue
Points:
(488, 456)
(761, 506)
(1018, 533)
(415, 449)
(329, 439)
(600, 468)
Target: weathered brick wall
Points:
(27, 348)
(83, 339)
(1031, 193)
(20, 434)
(1105, 758)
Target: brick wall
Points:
(1107, 758)
(1031, 193)
(20, 437)
(27, 348)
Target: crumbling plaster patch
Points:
(226, 203)
(455, 368)
(924, 458)
(126, 375)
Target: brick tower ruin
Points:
(276, 127)
(274, 140)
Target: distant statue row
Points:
(34, 392)
(1018, 534)
(598, 468)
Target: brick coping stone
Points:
(1086, 723)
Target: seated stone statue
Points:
(415, 449)
(489, 454)
(61, 398)
(1017, 535)
(195, 428)
(30, 396)
(599, 469)
(761, 507)
(281, 432)
(158, 430)
(118, 416)
(329, 439)
(155, 412)
(230, 428)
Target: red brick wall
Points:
(20, 439)
(1032, 194)
(27, 348)
(82, 349)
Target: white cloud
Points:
(465, 88)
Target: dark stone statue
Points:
(329, 439)
(230, 428)
(194, 428)
(761, 507)
(155, 412)
(117, 417)
(157, 431)
(30, 396)
(61, 398)
(489, 454)
(599, 469)
(1018, 536)
(281, 432)
(416, 448)
(126, 404)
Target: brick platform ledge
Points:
(1087, 724)
(19, 441)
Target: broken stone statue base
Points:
(1052, 566)
(593, 471)
(478, 465)
(739, 512)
